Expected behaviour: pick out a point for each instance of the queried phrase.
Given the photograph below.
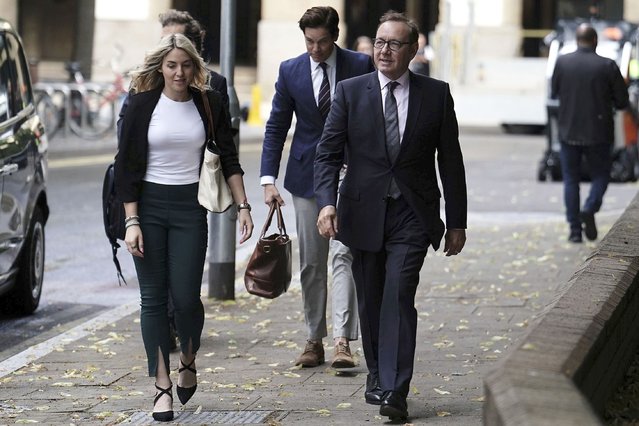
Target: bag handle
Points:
(275, 206)
(210, 124)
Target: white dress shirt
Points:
(317, 74)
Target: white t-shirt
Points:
(176, 139)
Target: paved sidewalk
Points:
(472, 309)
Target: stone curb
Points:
(571, 363)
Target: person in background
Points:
(589, 87)
(157, 170)
(421, 62)
(364, 44)
(393, 126)
(304, 87)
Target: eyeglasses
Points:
(393, 45)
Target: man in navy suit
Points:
(392, 125)
(304, 87)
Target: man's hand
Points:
(454, 241)
(271, 193)
(327, 222)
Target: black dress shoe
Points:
(373, 393)
(590, 228)
(575, 236)
(394, 406)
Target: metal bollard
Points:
(222, 226)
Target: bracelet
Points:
(131, 223)
(129, 218)
(244, 205)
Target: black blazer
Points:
(131, 159)
(216, 81)
(355, 126)
(589, 87)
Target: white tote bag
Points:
(213, 192)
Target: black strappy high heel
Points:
(184, 394)
(164, 416)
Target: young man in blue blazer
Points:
(304, 87)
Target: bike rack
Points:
(51, 88)
(66, 91)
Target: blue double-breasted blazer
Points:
(294, 94)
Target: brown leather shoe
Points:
(312, 356)
(343, 357)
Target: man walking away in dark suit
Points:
(589, 88)
(305, 86)
(392, 125)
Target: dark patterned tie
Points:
(392, 133)
(324, 96)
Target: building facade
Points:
(480, 44)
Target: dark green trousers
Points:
(174, 231)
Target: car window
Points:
(5, 78)
(20, 89)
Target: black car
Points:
(23, 172)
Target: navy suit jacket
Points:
(294, 94)
(355, 127)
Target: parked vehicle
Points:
(617, 40)
(23, 172)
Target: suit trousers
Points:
(175, 233)
(344, 297)
(386, 283)
(314, 250)
(599, 159)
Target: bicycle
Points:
(87, 109)
(93, 111)
(46, 108)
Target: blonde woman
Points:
(157, 170)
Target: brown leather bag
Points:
(268, 273)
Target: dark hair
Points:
(392, 16)
(321, 16)
(586, 35)
(192, 28)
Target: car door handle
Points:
(10, 244)
(8, 169)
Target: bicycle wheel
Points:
(48, 113)
(96, 117)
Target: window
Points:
(5, 78)
(20, 89)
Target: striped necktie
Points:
(392, 133)
(324, 96)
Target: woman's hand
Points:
(246, 224)
(134, 241)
